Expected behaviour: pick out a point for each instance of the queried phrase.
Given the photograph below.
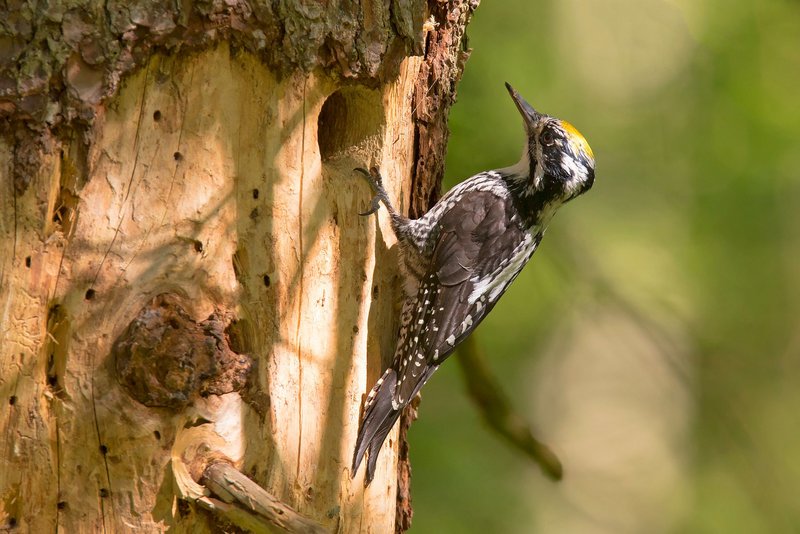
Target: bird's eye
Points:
(547, 137)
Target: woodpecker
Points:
(460, 257)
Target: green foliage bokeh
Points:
(686, 250)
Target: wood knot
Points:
(164, 358)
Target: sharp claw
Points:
(374, 206)
(374, 177)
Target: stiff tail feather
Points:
(379, 418)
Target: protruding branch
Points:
(498, 412)
(239, 516)
(253, 503)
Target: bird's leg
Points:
(374, 177)
(402, 226)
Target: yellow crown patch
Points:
(577, 140)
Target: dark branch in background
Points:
(497, 410)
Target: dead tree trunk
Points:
(186, 289)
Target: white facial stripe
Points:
(575, 170)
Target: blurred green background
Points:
(653, 341)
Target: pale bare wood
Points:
(168, 207)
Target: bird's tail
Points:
(379, 418)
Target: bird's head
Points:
(559, 161)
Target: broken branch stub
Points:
(232, 486)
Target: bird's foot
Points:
(374, 177)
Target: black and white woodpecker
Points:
(461, 256)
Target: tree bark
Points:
(186, 287)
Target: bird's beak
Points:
(529, 115)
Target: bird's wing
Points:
(481, 248)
